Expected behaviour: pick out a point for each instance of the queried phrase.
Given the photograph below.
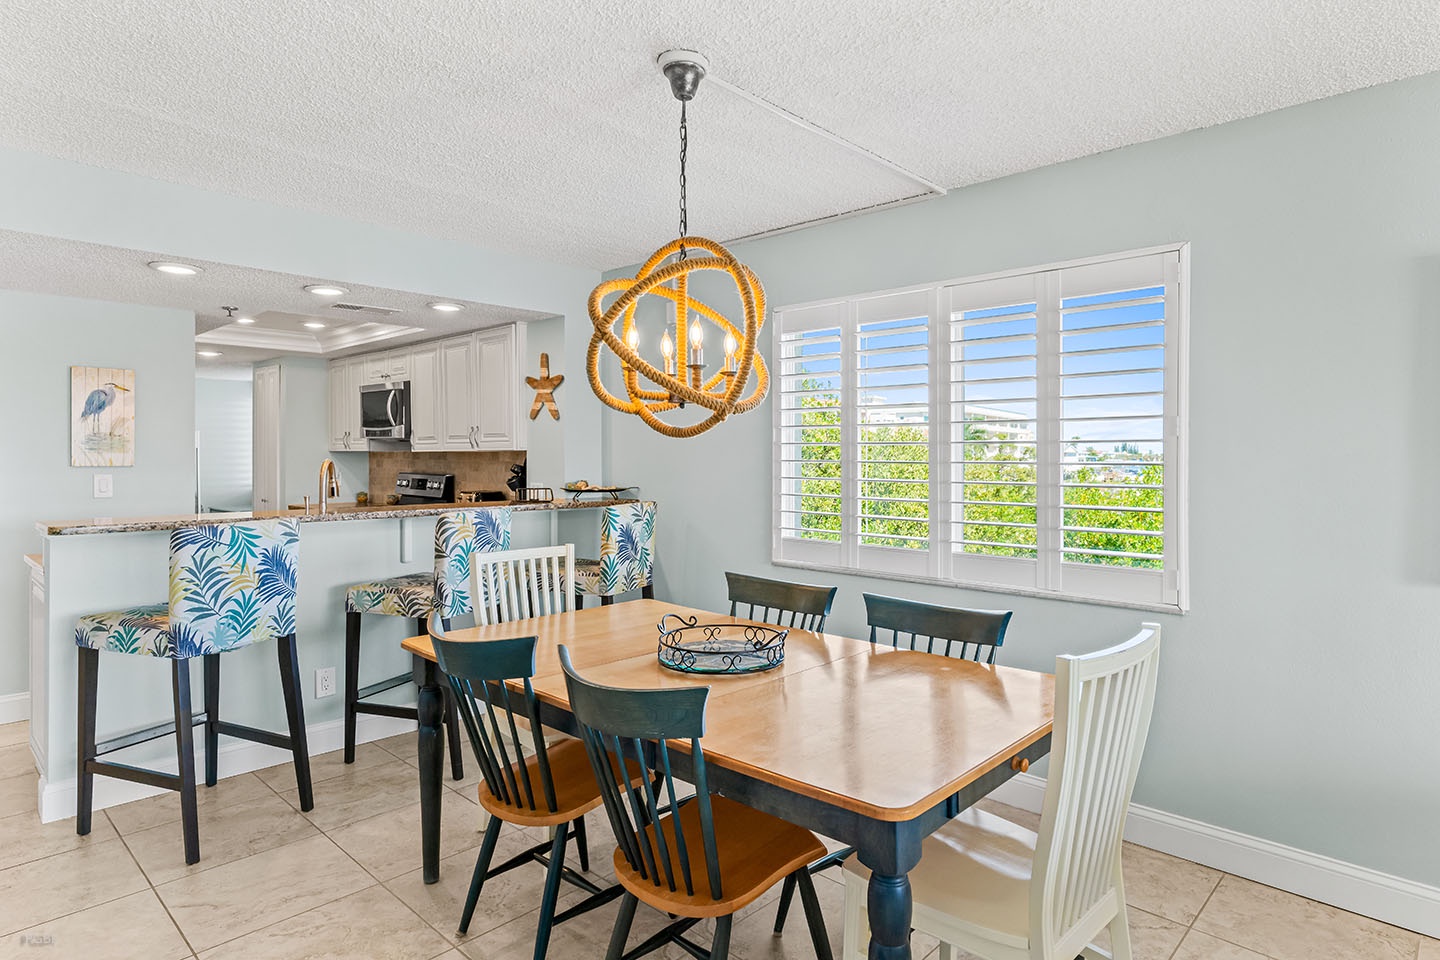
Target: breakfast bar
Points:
(107, 563)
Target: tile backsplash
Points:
(474, 470)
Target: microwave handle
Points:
(390, 408)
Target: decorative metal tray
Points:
(689, 646)
(613, 492)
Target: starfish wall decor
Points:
(544, 387)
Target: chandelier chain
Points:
(684, 148)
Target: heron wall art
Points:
(102, 417)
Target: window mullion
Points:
(1049, 444)
(941, 432)
(850, 438)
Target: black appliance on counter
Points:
(425, 487)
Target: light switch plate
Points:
(104, 486)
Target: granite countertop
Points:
(347, 511)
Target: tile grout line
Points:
(153, 891)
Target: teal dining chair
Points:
(231, 586)
(801, 605)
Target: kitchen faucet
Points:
(329, 483)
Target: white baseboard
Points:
(1395, 900)
(14, 708)
(57, 799)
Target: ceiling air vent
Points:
(365, 309)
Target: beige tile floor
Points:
(344, 881)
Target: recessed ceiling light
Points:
(314, 324)
(173, 268)
(244, 319)
(208, 353)
(326, 290)
(445, 306)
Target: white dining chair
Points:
(1003, 892)
(518, 584)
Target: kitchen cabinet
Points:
(39, 664)
(464, 391)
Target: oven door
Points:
(385, 411)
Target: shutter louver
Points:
(893, 433)
(810, 465)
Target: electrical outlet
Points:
(324, 682)
(104, 486)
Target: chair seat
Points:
(576, 790)
(591, 579)
(144, 631)
(755, 851)
(975, 871)
(412, 595)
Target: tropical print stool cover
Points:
(231, 585)
(417, 595)
(627, 535)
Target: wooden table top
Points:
(885, 733)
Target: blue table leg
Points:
(891, 851)
(431, 709)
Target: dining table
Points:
(870, 745)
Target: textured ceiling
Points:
(277, 301)
(542, 126)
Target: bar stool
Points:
(627, 555)
(419, 596)
(230, 586)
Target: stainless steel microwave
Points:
(385, 410)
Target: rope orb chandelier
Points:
(651, 391)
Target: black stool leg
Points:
(648, 591)
(295, 713)
(185, 754)
(212, 718)
(452, 715)
(606, 601)
(579, 601)
(352, 680)
(85, 730)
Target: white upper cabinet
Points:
(464, 392)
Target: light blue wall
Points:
(44, 336)
(1297, 699)
(305, 434)
(223, 424)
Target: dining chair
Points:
(806, 604)
(519, 584)
(550, 785)
(707, 857)
(442, 592)
(627, 555)
(963, 633)
(1000, 891)
(231, 586)
(968, 634)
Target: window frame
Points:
(1075, 582)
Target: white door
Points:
(457, 394)
(268, 388)
(425, 411)
(339, 411)
(496, 397)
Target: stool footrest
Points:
(143, 736)
(124, 771)
(384, 685)
(255, 735)
(387, 710)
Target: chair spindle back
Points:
(950, 631)
(518, 584)
(1103, 702)
(625, 731)
(806, 604)
(477, 671)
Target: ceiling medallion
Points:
(651, 391)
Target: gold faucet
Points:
(329, 483)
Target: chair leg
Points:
(856, 938)
(720, 946)
(452, 716)
(582, 846)
(482, 867)
(787, 893)
(579, 601)
(621, 932)
(295, 713)
(947, 951)
(552, 890)
(814, 916)
(648, 591)
(605, 601)
(85, 736)
(185, 754)
(1120, 935)
(352, 679)
(212, 718)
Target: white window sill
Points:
(985, 587)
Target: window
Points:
(1020, 431)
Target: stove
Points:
(425, 487)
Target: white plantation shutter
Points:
(1021, 432)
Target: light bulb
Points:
(632, 338)
(697, 334)
(730, 344)
(667, 346)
